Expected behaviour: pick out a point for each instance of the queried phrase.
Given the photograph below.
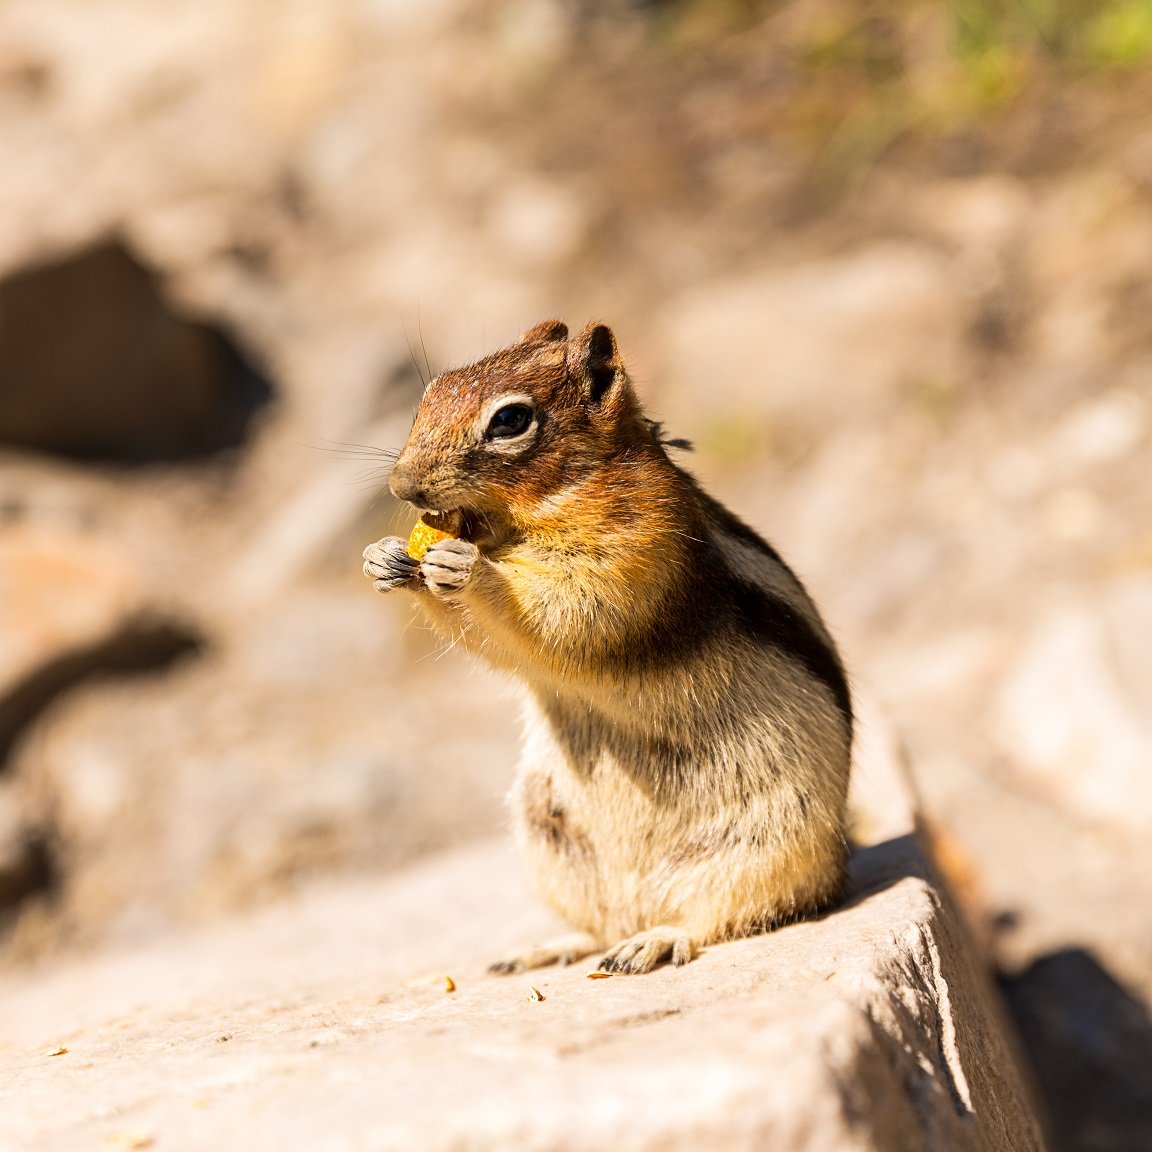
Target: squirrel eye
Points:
(511, 420)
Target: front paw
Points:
(388, 565)
(448, 565)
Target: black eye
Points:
(509, 421)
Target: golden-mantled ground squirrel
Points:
(689, 724)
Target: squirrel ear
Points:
(546, 332)
(594, 360)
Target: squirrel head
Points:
(493, 440)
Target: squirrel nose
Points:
(403, 486)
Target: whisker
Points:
(372, 478)
(411, 352)
(366, 451)
(420, 333)
(380, 493)
(486, 522)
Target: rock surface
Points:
(95, 393)
(70, 602)
(868, 326)
(60, 592)
(327, 1022)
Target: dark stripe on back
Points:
(762, 614)
(736, 612)
(774, 622)
(717, 605)
(720, 517)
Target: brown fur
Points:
(687, 720)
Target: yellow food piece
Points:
(423, 537)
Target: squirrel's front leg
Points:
(388, 565)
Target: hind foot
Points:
(563, 950)
(642, 952)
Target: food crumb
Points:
(130, 1141)
(535, 995)
(598, 975)
(61, 1051)
(439, 980)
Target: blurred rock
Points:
(982, 216)
(311, 522)
(95, 363)
(1103, 429)
(73, 608)
(1128, 610)
(26, 866)
(539, 224)
(1088, 243)
(59, 593)
(315, 739)
(1074, 712)
(826, 340)
(1090, 1041)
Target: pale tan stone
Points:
(327, 1023)
(60, 592)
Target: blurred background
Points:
(889, 266)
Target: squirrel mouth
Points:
(465, 524)
(452, 522)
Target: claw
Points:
(506, 967)
(388, 565)
(644, 951)
(448, 565)
(565, 950)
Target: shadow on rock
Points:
(1089, 1041)
(877, 867)
(96, 363)
(142, 645)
